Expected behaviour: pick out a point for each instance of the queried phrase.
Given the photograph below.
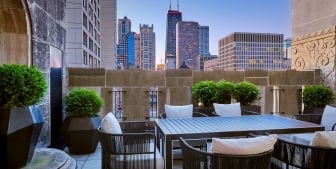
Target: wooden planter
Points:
(80, 134)
(20, 129)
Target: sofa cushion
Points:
(227, 110)
(110, 124)
(182, 111)
(243, 146)
(324, 139)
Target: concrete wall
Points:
(174, 87)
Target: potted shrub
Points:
(20, 122)
(79, 128)
(224, 91)
(246, 93)
(203, 94)
(315, 98)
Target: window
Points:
(98, 25)
(95, 49)
(95, 20)
(95, 34)
(85, 59)
(90, 13)
(98, 38)
(98, 12)
(98, 52)
(84, 20)
(85, 4)
(91, 28)
(90, 44)
(84, 39)
(90, 60)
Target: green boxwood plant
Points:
(245, 92)
(204, 91)
(317, 96)
(224, 92)
(21, 85)
(83, 102)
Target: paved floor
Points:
(92, 161)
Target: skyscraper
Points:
(147, 47)
(124, 28)
(187, 44)
(242, 51)
(133, 50)
(203, 40)
(173, 16)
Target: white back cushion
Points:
(110, 124)
(184, 111)
(227, 110)
(243, 146)
(324, 139)
(328, 117)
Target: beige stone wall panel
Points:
(316, 51)
(134, 101)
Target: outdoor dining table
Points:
(168, 130)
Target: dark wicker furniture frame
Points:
(128, 150)
(194, 158)
(290, 155)
(168, 130)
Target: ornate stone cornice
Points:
(325, 31)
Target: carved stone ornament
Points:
(316, 51)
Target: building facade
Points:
(108, 26)
(256, 51)
(83, 37)
(147, 47)
(211, 64)
(173, 17)
(187, 44)
(205, 57)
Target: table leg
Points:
(168, 153)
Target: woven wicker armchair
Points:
(129, 151)
(289, 155)
(199, 159)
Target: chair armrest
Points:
(137, 126)
(198, 114)
(333, 127)
(313, 118)
(162, 116)
(247, 112)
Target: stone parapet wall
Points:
(174, 87)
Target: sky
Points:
(222, 16)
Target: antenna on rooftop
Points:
(169, 4)
(178, 5)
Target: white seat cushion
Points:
(227, 110)
(183, 111)
(110, 124)
(324, 139)
(328, 117)
(243, 146)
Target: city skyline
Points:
(222, 16)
